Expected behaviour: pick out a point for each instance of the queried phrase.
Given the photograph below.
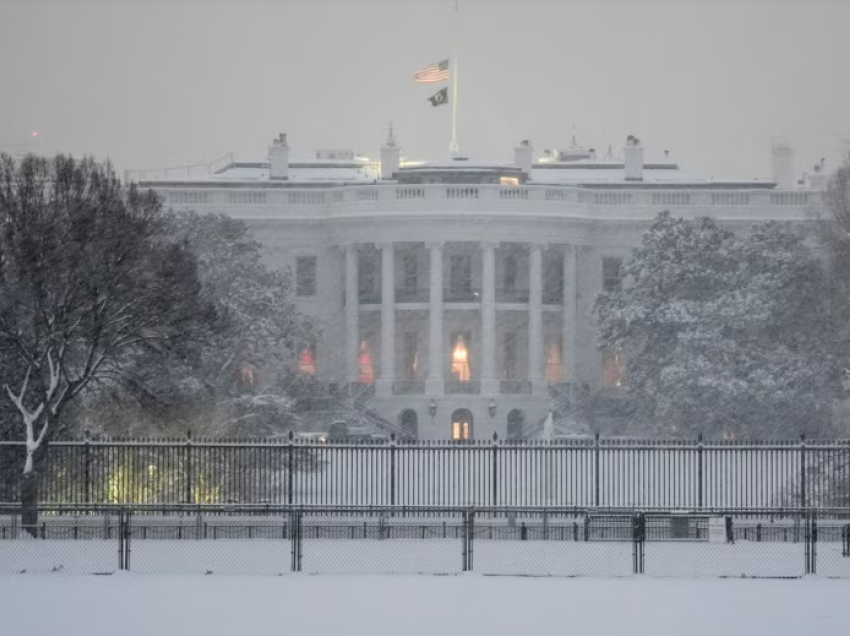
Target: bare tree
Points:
(89, 279)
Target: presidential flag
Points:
(440, 97)
(433, 73)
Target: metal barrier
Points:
(776, 542)
(592, 472)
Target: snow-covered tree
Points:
(231, 384)
(723, 334)
(89, 278)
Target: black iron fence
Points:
(581, 472)
(775, 543)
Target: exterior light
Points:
(432, 408)
(492, 407)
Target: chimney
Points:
(782, 165)
(279, 158)
(524, 156)
(818, 177)
(390, 157)
(633, 159)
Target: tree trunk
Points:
(29, 491)
(29, 503)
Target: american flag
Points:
(433, 73)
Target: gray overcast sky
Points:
(153, 83)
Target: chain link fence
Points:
(774, 543)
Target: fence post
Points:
(468, 539)
(803, 497)
(189, 498)
(596, 470)
(812, 542)
(392, 471)
(127, 520)
(290, 468)
(87, 498)
(494, 493)
(295, 540)
(638, 539)
(121, 522)
(700, 465)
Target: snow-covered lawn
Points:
(141, 605)
(416, 556)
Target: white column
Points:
(434, 382)
(535, 320)
(568, 337)
(384, 386)
(489, 379)
(352, 315)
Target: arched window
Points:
(516, 421)
(409, 422)
(461, 425)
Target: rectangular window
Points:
(460, 279)
(409, 269)
(509, 365)
(411, 356)
(553, 278)
(553, 371)
(369, 277)
(612, 274)
(511, 271)
(305, 275)
(460, 358)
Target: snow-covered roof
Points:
(613, 173)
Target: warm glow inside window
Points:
(460, 361)
(307, 363)
(367, 365)
(460, 430)
(509, 181)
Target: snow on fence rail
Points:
(586, 472)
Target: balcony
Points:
(412, 295)
(515, 387)
(514, 295)
(457, 387)
(451, 295)
(409, 387)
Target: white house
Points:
(455, 298)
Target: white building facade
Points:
(457, 297)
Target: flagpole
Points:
(453, 148)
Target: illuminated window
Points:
(307, 362)
(612, 370)
(366, 362)
(554, 370)
(461, 425)
(460, 359)
(460, 430)
(509, 181)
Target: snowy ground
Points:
(140, 605)
(412, 556)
